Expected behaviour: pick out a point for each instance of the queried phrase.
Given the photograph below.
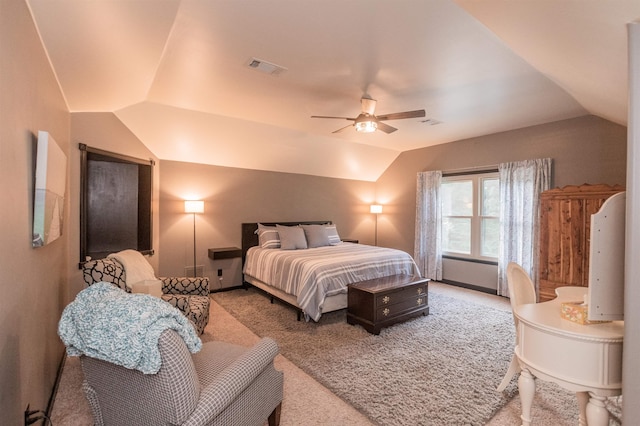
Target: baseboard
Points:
(56, 384)
(470, 286)
(219, 290)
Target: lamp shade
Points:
(194, 206)
(376, 208)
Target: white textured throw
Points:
(136, 267)
(107, 323)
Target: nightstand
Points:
(226, 268)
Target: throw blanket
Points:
(136, 267)
(107, 323)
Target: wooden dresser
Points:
(385, 301)
(565, 221)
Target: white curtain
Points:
(428, 238)
(520, 186)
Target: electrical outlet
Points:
(219, 272)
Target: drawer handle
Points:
(419, 301)
(385, 312)
(420, 290)
(386, 299)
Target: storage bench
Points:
(385, 301)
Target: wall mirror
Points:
(49, 190)
(115, 203)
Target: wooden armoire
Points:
(565, 222)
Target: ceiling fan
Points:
(367, 122)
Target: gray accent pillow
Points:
(268, 236)
(316, 235)
(291, 237)
(332, 234)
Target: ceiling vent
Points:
(431, 121)
(265, 67)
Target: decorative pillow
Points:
(291, 237)
(268, 237)
(316, 235)
(332, 234)
(107, 270)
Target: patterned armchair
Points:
(189, 295)
(223, 384)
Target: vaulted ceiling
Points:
(177, 74)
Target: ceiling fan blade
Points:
(342, 129)
(327, 116)
(401, 115)
(386, 128)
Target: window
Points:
(115, 203)
(471, 216)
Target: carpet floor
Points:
(307, 401)
(440, 369)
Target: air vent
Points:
(431, 121)
(265, 67)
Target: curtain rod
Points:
(471, 170)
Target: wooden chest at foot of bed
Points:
(385, 301)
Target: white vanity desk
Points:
(586, 359)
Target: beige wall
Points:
(33, 282)
(233, 196)
(584, 150)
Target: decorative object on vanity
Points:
(577, 312)
(565, 230)
(128, 268)
(193, 207)
(313, 280)
(439, 369)
(49, 190)
(382, 302)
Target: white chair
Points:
(521, 291)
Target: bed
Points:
(314, 280)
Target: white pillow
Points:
(316, 235)
(291, 237)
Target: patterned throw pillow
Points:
(268, 237)
(332, 234)
(106, 270)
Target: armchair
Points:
(222, 384)
(189, 295)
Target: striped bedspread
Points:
(313, 274)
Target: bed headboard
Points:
(250, 238)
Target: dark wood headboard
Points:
(250, 238)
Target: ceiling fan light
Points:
(366, 126)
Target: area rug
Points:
(441, 369)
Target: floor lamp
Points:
(194, 206)
(376, 209)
